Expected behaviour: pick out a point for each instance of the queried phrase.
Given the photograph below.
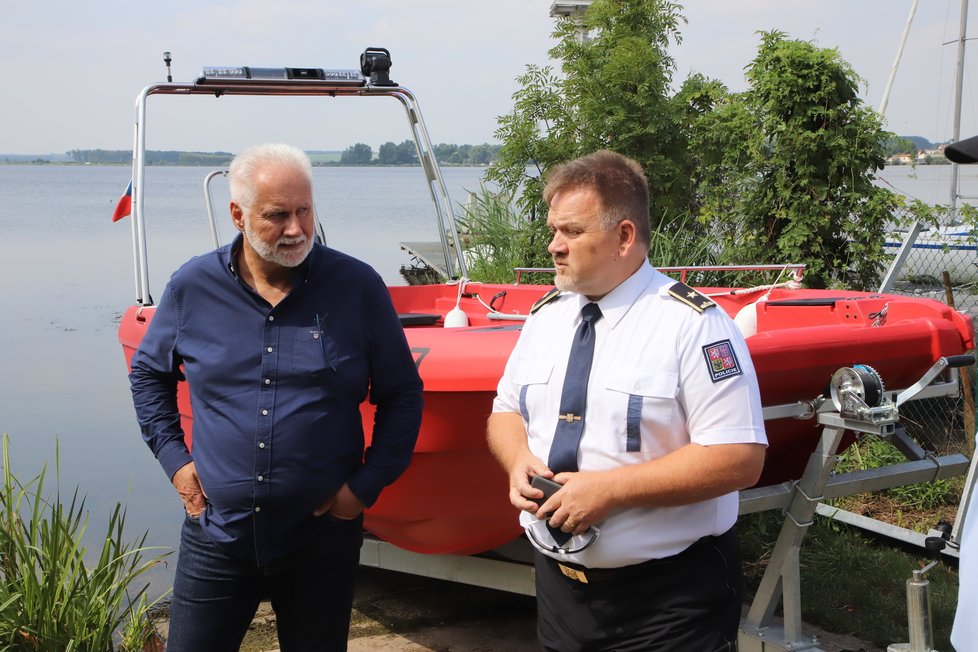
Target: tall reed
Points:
(53, 596)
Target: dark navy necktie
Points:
(573, 397)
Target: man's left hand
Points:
(343, 505)
(585, 499)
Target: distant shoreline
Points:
(324, 164)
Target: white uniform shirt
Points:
(653, 389)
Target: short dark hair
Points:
(619, 182)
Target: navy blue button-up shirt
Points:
(276, 394)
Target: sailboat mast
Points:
(958, 86)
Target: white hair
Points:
(244, 167)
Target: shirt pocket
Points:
(642, 397)
(532, 378)
(313, 352)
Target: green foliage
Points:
(782, 172)
(358, 154)
(498, 239)
(450, 154)
(52, 598)
(787, 167)
(153, 157)
(404, 153)
(871, 452)
(613, 93)
(850, 583)
(898, 145)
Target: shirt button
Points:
(269, 349)
(268, 381)
(260, 478)
(261, 445)
(258, 509)
(264, 413)
(271, 318)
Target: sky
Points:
(72, 70)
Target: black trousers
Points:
(688, 602)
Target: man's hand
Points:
(522, 494)
(343, 505)
(585, 499)
(187, 484)
(507, 441)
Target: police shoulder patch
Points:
(721, 360)
(544, 300)
(690, 297)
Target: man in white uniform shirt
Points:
(635, 551)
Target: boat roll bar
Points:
(372, 80)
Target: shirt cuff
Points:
(366, 488)
(173, 457)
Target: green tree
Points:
(407, 153)
(387, 154)
(898, 145)
(479, 155)
(393, 154)
(443, 152)
(613, 93)
(786, 168)
(358, 154)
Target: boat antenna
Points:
(167, 60)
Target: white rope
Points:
(791, 285)
(492, 313)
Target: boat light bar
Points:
(246, 74)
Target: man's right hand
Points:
(187, 484)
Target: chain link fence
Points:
(942, 265)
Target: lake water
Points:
(66, 273)
(67, 276)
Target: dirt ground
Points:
(396, 612)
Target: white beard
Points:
(270, 252)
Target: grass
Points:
(851, 582)
(53, 596)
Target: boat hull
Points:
(453, 498)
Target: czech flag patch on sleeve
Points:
(721, 360)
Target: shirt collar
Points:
(615, 305)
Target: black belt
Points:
(586, 575)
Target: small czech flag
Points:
(124, 207)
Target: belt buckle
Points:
(573, 573)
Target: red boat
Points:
(797, 338)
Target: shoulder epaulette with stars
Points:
(690, 297)
(544, 300)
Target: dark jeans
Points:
(215, 596)
(686, 603)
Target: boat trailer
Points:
(855, 402)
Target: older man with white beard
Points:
(280, 340)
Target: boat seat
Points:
(417, 318)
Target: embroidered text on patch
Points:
(721, 360)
